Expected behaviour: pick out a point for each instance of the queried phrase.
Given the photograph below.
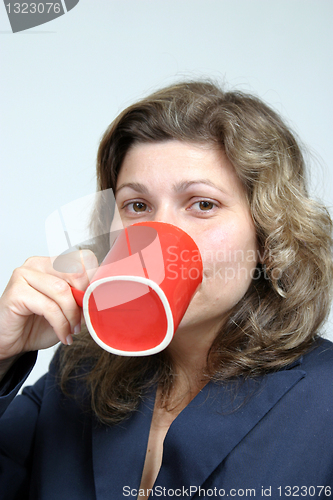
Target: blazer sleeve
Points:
(17, 427)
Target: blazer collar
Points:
(198, 440)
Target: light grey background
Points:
(63, 82)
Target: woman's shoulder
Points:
(319, 357)
(317, 365)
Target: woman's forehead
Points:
(179, 166)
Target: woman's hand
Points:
(37, 308)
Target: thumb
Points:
(76, 267)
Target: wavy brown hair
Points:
(279, 317)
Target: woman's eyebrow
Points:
(136, 186)
(178, 187)
(182, 186)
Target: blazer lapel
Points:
(198, 440)
(208, 429)
(119, 452)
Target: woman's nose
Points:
(166, 214)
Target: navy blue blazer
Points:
(270, 437)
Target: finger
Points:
(22, 301)
(50, 286)
(56, 289)
(77, 268)
(89, 262)
(43, 306)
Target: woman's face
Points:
(195, 188)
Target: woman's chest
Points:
(160, 424)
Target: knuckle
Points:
(61, 286)
(36, 262)
(30, 261)
(60, 326)
(17, 273)
(63, 324)
(54, 309)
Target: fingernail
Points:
(69, 340)
(77, 328)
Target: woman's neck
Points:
(189, 351)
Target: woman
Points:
(240, 403)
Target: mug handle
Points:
(78, 296)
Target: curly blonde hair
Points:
(288, 300)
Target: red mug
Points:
(139, 294)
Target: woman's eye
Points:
(206, 205)
(138, 206)
(201, 207)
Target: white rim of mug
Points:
(145, 281)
